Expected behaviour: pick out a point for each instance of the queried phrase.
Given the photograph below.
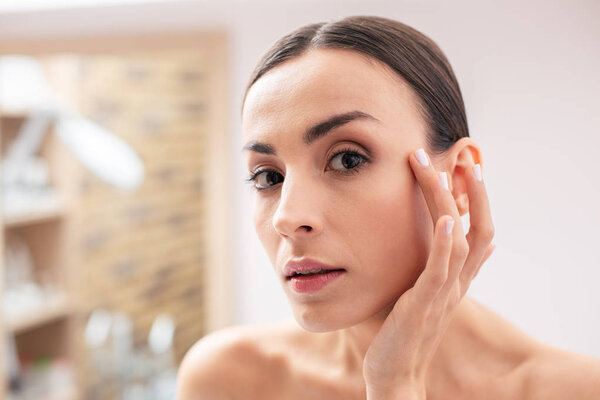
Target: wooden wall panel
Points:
(143, 251)
(164, 247)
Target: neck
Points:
(474, 346)
(355, 340)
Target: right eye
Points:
(264, 179)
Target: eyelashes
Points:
(354, 156)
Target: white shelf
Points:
(52, 310)
(14, 114)
(33, 217)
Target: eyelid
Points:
(365, 154)
(358, 147)
(344, 150)
(336, 153)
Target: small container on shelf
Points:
(37, 304)
(51, 378)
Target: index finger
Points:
(481, 227)
(437, 195)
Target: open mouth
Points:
(307, 274)
(314, 280)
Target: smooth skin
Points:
(397, 324)
(398, 358)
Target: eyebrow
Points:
(315, 132)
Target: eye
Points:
(345, 161)
(348, 161)
(265, 178)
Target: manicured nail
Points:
(449, 226)
(477, 171)
(422, 157)
(444, 180)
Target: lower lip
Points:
(313, 283)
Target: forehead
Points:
(322, 82)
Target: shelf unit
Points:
(214, 254)
(49, 328)
(32, 218)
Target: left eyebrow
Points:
(315, 132)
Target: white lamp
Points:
(24, 88)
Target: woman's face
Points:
(362, 212)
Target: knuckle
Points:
(454, 299)
(432, 181)
(491, 231)
(438, 278)
(461, 248)
(486, 233)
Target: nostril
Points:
(308, 228)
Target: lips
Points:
(307, 267)
(310, 284)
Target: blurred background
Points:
(127, 228)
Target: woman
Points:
(358, 148)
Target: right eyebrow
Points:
(315, 132)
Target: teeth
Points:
(314, 271)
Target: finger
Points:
(481, 230)
(440, 200)
(435, 188)
(435, 274)
(453, 299)
(487, 254)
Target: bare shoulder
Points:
(553, 373)
(212, 363)
(227, 364)
(517, 365)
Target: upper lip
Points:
(304, 264)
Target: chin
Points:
(320, 327)
(313, 320)
(328, 318)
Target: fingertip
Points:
(477, 172)
(414, 163)
(421, 156)
(449, 226)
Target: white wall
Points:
(529, 76)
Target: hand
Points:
(397, 360)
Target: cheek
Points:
(398, 231)
(263, 225)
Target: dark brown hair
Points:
(412, 55)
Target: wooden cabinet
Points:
(39, 298)
(166, 247)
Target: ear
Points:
(457, 162)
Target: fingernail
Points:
(422, 157)
(449, 226)
(477, 171)
(444, 180)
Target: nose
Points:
(298, 213)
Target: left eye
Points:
(347, 160)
